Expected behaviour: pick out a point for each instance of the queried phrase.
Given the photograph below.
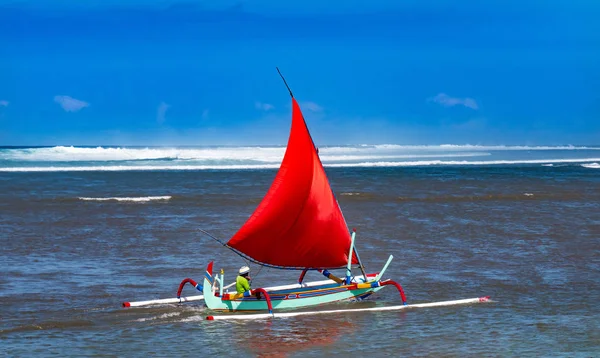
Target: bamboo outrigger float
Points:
(298, 225)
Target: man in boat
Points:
(242, 283)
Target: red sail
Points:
(298, 224)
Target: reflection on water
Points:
(276, 338)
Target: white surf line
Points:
(388, 308)
(137, 199)
(121, 168)
(592, 165)
(275, 166)
(457, 162)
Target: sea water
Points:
(83, 229)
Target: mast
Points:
(285, 83)
(298, 224)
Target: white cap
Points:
(244, 269)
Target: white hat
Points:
(244, 269)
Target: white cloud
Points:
(70, 104)
(263, 106)
(311, 106)
(448, 101)
(4, 103)
(161, 112)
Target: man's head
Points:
(244, 271)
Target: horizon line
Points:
(285, 145)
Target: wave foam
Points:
(78, 154)
(134, 199)
(160, 317)
(325, 158)
(253, 154)
(275, 166)
(591, 165)
(456, 162)
(479, 147)
(122, 168)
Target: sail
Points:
(298, 224)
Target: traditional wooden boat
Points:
(298, 225)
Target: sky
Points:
(157, 72)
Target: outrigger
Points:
(298, 225)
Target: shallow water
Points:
(527, 235)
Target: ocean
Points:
(84, 229)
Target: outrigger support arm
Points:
(397, 285)
(192, 282)
(384, 268)
(360, 264)
(263, 292)
(379, 284)
(349, 268)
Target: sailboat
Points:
(298, 225)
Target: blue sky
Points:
(155, 72)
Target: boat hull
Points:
(287, 299)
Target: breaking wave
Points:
(591, 165)
(69, 158)
(462, 162)
(133, 199)
(480, 147)
(256, 153)
(276, 165)
(86, 154)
